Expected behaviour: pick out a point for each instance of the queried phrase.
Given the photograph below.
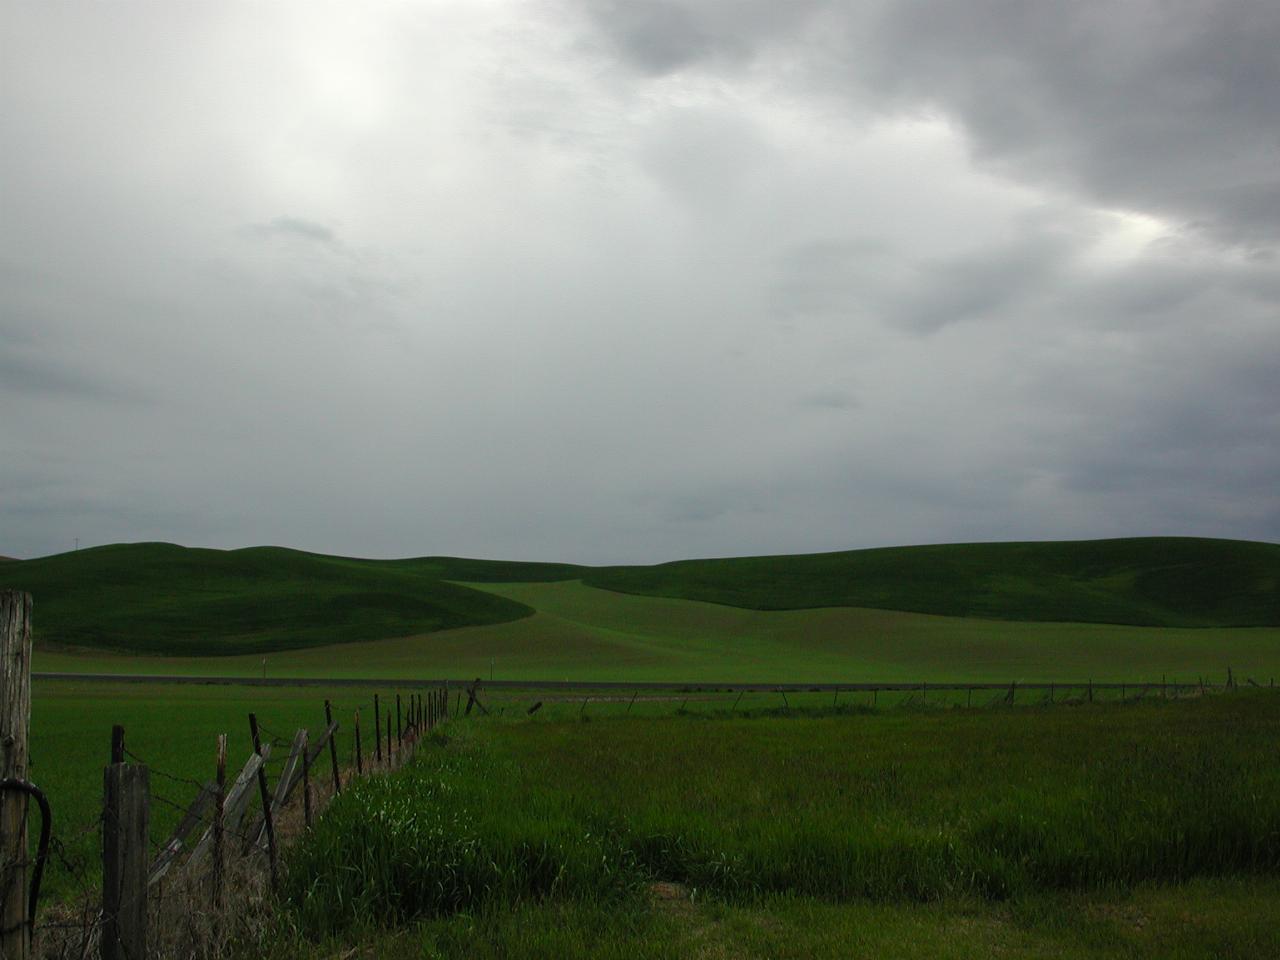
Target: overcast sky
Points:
(635, 281)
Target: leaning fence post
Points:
(306, 781)
(219, 821)
(333, 749)
(266, 803)
(15, 726)
(125, 814)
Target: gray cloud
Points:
(663, 36)
(297, 228)
(939, 293)
(625, 282)
(1167, 108)
(25, 375)
(830, 398)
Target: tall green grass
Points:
(901, 806)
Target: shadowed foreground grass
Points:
(1199, 920)
(774, 825)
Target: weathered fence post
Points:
(333, 749)
(125, 856)
(359, 758)
(399, 730)
(219, 815)
(377, 730)
(388, 736)
(306, 781)
(15, 727)
(266, 803)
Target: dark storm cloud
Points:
(1169, 108)
(662, 36)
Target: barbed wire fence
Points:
(207, 884)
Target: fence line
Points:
(225, 832)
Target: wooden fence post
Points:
(359, 759)
(15, 727)
(125, 822)
(265, 794)
(388, 736)
(333, 749)
(219, 813)
(377, 730)
(399, 729)
(306, 781)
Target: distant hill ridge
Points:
(167, 599)
(1153, 581)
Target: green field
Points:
(582, 633)
(157, 598)
(1147, 830)
(165, 600)
(1156, 581)
(915, 825)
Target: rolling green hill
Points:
(1154, 581)
(165, 599)
(158, 598)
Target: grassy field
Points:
(582, 633)
(1104, 830)
(1134, 830)
(1215, 919)
(162, 599)
(1157, 581)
